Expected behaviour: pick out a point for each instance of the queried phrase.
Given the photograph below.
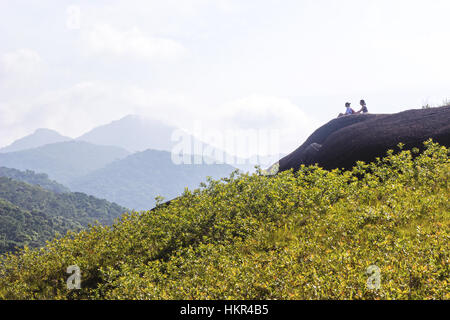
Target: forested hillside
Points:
(38, 179)
(311, 234)
(30, 215)
(135, 181)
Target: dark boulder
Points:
(345, 140)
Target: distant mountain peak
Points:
(130, 116)
(38, 138)
(45, 130)
(133, 133)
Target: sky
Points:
(287, 66)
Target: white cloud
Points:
(74, 110)
(69, 111)
(255, 113)
(20, 72)
(306, 50)
(106, 40)
(20, 68)
(259, 113)
(262, 110)
(21, 61)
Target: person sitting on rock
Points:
(363, 107)
(348, 110)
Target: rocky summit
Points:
(364, 137)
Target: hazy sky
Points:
(291, 65)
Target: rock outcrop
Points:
(345, 140)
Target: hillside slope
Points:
(135, 181)
(312, 234)
(343, 141)
(19, 227)
(38, 179)
(63, 161)
(30, 215)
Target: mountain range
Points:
(136, 180)
(63, 161)
(132, 133)
(109, 172)
(107, 162)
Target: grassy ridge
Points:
(308, 235)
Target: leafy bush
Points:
(305, 235)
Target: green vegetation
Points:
(37, 179)
(305, 235)
(30, 215)
(19, 227)
(445, 103)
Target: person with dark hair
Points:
(348, 110)
(363, 107)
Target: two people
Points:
(349, 110)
